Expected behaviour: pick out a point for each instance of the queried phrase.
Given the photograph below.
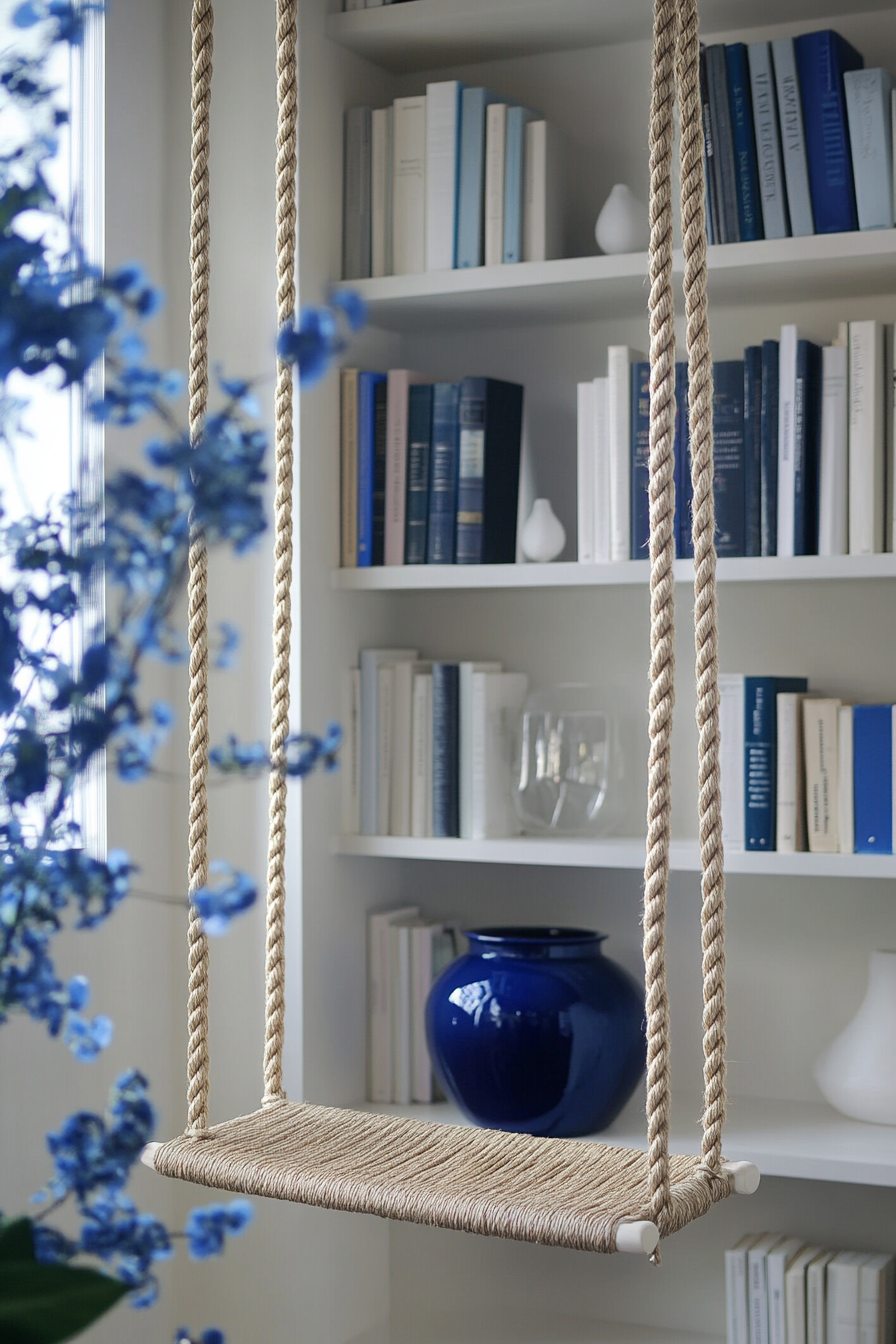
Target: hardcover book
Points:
(833, 517)
(378, 547)
(445, 750)
(867, 476)
(753, 450)
(443, 475)
(807, 448)
(367, 482)
(397, 404)
(409, 185)
(467, 742)
(790, 811)
(371, 661)
(746, 169)
(543, 192)
(793, 142)
(443, 130)
(728, 434)
(419, 453)
(772, 191)
(822, 60)
(872, 758)
(710, 166)
(768, 432)
(471, 192)
(820, 744)
(490, 417)
(869, 107)
(619, 361)
(725, 166)
(760, 757)
(514, 161)
(348, 467)
(495, 155)
(356, 194)
(381, 192)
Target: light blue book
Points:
(470, 207)
(868, 95)
(772, 193)
(514, 156)
(793, 139)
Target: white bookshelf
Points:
(512, 1326)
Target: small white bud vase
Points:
(622, 225)
(543, 536)
(857, 1072)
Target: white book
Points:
(842, 1286)
(790, 818)
(495, 153)
(350, 755)
(736, 1298)
(731, 758)
(381, 192)
(820, 738)
(400, 1008)
(866, 438)
(397, 384)
(379, 1012)
(409, 186)
(601, 472)
(795, 1293)
(432, 949)
(370, 662)
(833, 515)
(757, 1286)
(466, 729)
(786, 438)
(845, 800)
(385, 680)
(778, 1262)
(619, 361)
(421, 756)
(877, 1299)
(497, 699)
(585, 468)
(543, 200)
(442, 155)
(816, 1298)
(403, 675)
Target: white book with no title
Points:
(543, 184)
(586, 424)
(757, 1286)
(350, 754)
(842, 1287)
(845, 799)
(816, 1298)
(795, 1293)
(466, 741)
(790, 817)
(381, 192)
(421, 756)
(379, 993)
(400, 783)
(877, 1299)
(731, 758)
(619, 415)
(370, 700)
(443, 100)
(433, 947)
(833, 516)
(601, 471)
(736, 1294)
(778, 1262)
(495, 155)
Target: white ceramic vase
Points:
(622, 225)
(857, 1072)
(543, 536)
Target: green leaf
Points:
(16, 1239)
(42, 1304)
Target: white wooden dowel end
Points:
(637, 1236)
(744, 1176)
(147, 1157)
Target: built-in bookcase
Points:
(800, 926)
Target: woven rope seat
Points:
(560, 1192)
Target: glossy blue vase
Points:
(535, 1031)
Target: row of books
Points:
(405, 954)
(429, 471)
(428, 746)
(803, 771)
(798, 139)
(780, 1291)
(450, 178)
(804, 446)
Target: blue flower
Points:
(51, 1247)
(207, 1228)
(220, 904)
(350, 303)
(31, 765)
(86, 1039)
(240, 757)
(312, 345)
(230, 642)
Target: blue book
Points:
(749, 211)
(514, 158)
(768, 435)
(760, 757)
(725, 175)
(379, 473)
(709, 166)
(752, 450)
(471, 189)
(416, 513)
(772, 192)
(868, 104)
(445, 749)
(442, 520)
(728, 440)
(793, 141)
(491, 420)
(640, 460)
(822, 60)
(367, 384)
(807, 448)
(684, 543)
(872, 765)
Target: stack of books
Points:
(428, 746)
(798, 139)
(430, 471)
(804, 450)
(405, 954)
(804, 772)
(449, 178)
(780, 1291)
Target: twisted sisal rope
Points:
(197, 1055)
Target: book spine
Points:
(815, 1300)
(401, 1013)
(517, 118)
(731, 758)
(542, 203)
(601, 509)
(872, 756)
(397, 387)
(757, 1287)
(421, 756)
(710, 166)
(793, 143)
(868, 106)
(768, 429)
(585, 471)
(442, 166)
(400, 782)
(772, 195)
(473, 824)
(419, 453)
(842, 1302)
(385, 692)
(619, 359)
(409, 186)
(889, 413)
(443, 476)
(356, 194)
(684, 490)
(350, 754)
(845, 780)
(421, 983)
(866, 438)
(737, 1315)
(723, 142)
(472, 177)
(749, 211)
(445, 750)
(728, 436)
(760, 767)
(821, 61)
(820, 737)
(790, 804)
(495, 149)
(503, 451)
(795, 1306)
(753, 450)
(348, 467)
(833, 518)
(381, 193)
(367, 383)
(777, 1315)
(786, 440)
(378, 546)
(471, 472)
(806, 448)
(639, 458)
(379, 1071)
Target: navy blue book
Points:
(416, 513)
(728, 441)
(379, 474)
(768, 434)
(640, 461)
(822, 60)
(491, 422)
(872, 765)
(807, 448)
(683, 492)
(752, 450)
(740, 102)
(725, 175)
(445, 749)
(367, 385)
(709, 166)
(761, 757)
(443, 475)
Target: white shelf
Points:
(568, 574)
(803, 1140)
(505, 1325)
(426, 34)
(827, 266)
(613, 852)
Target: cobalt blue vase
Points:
(534, 1030)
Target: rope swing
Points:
(561, 1192)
